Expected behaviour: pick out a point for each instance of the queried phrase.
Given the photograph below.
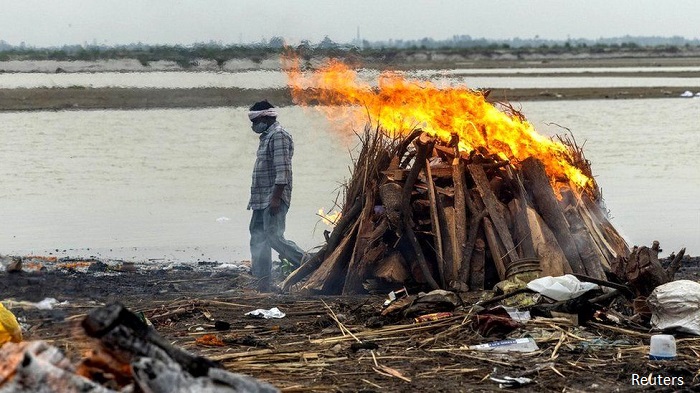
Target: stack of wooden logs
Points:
(419, 211)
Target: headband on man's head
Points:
(271, 112)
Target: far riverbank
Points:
(82, 98)
(77, 98)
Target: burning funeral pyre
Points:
(450, 191)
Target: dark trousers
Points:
(267, 233)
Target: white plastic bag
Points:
(274, 312)
(560, 288)
(676, 305)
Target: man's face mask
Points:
(259, 127)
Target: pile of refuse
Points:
(123, 346)
(531, 330)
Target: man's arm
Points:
(282, 162)
(276, 199)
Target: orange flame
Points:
(399, 105)
(330, 218)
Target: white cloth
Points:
(560, 288)
(272, 112)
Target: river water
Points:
(172, 184)
(266, 79)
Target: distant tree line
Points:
(187, 55)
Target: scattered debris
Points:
(432, 317)
(127, 355)
(515, 345)
(274, 312)
(560, 288)
(676, 305)
(511, 382)
(323, 340)
(662, 347)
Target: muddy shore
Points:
(307, 350)
(132, 98)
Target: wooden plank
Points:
(517, 207)
(522, 236)
(326, 278)
(496, 248)
(361, 257)
(441, 172)
(424, 147)
(590, 254)
(476, 215)
(392, 269)
(365, 232)
(478, 262)
(553, 261)
(547, 205)
(460, 207)
(644, 271)
(616, 241)
(450, 242)
(338, 233)
(609, 254)
(495, 209)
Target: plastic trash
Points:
(274, 312)
(48, 303)
(511, 382)
(600, 343)
(394, 295)
(516, 345)
(432, 317)
(9, 328)
(517, 315)
(494, 322)
(687, 93)
(676, 305)
(662, 347)
(560, 288)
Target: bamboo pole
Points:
(435, 223)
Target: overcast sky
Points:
(112, 22)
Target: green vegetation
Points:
(187, 56)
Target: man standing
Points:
(270, 194)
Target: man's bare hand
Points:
(276, 199)
(274, 206)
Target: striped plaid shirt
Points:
(272, 166)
